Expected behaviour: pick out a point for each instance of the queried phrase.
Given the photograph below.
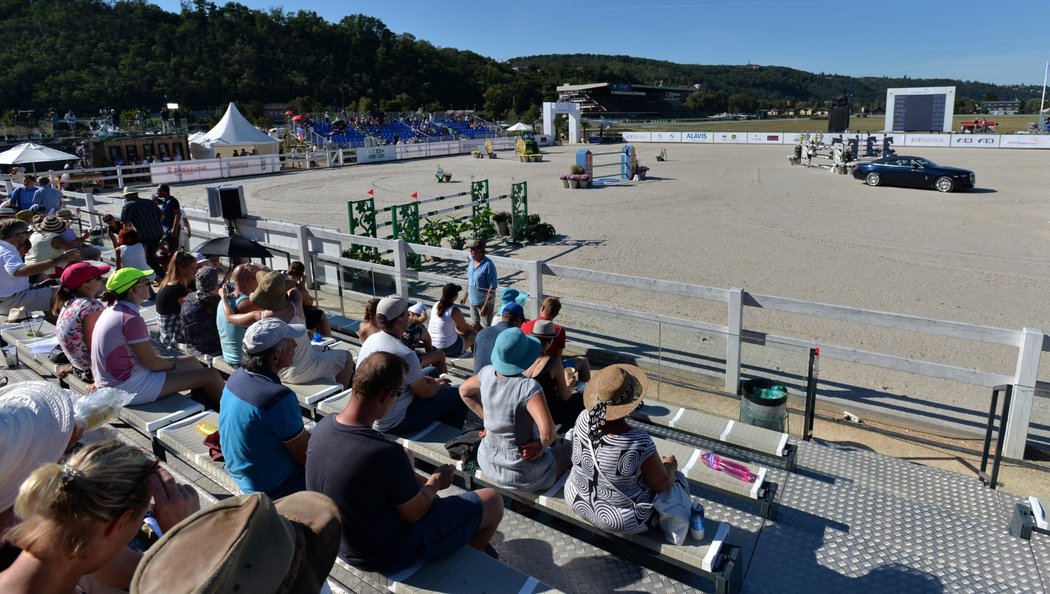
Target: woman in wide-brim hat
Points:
(616, 470)
(45, 241)
(277, 297)
(516, 451)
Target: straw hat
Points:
(36, 420)
(619, 388)
(51, 224)
(272, 293)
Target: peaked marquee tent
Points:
(232, 133)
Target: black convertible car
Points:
(913, 172)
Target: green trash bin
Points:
(763, 403)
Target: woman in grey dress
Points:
(518, 426)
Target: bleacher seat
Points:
(184, 440)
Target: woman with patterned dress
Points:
(77, 309)
(615, 495)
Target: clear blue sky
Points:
(1006, 42)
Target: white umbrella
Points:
(519, 127)
(29, 153)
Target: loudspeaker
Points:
(838, 121)
(227, 202)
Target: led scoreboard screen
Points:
(920, 109)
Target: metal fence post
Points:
(735, 323)
(1024, 392)
(401, 267)
(535, 287)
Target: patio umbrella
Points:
(519, 127)
(298, 118)
(234, 247)
(30, 154)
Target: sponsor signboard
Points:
(1024, 141)
(765, 138)
(176, 172)
(666, 137)
(927, 140)
(731, 137)
(637, 137)
(975, 140)
(375, 154)
(698, 137)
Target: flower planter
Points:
(564, 183)
(522, 158)
(503, 228)
(573, 184)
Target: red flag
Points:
(415, 195)
(371, 192)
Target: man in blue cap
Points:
(513, 316)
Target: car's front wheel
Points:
(872, 179)
(944, 184)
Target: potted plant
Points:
(481, 224)
(574, 181)
(502, 220)
(640, 172)
(565, 179)
(585, 180)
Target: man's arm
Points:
(297, 445)
(416, 508)
(32, 269)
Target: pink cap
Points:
(81, 272)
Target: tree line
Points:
(87, 54)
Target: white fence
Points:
(1005, 141)
(326, 265)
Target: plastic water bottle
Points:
(318, 337)
(696, 521)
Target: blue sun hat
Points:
(509, 296)
(514, 352)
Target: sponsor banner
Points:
(765, 138)
(698, 137)
(861, 138)
(637, 137)
(254, 165)
(731, 137)
(1024, 141)
(792, 137)
(375, 154)
(927, 140)
(666, 137)
(544, 140)
(184, 171)
(975, 140)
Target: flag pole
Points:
(1043, 100)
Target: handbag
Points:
(673, 506)
(464, 447)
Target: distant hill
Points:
(770, 86)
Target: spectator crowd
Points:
(68, 511)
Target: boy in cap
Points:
(260, 426)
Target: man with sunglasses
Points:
(15, 291)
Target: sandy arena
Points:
(741, 216)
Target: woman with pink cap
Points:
(77, 308)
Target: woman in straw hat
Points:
(122, 356)
(564, 405)
(614, 466)
(518, 427)
(45, 242)
(277, 296)
(78, 517)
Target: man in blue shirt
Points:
(481, 285)
(47, 200)
(22, 198)
(260, 428)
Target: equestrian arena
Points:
(740, 216)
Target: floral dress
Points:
(70, 330)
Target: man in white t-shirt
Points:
(423, 399)
(15, 273)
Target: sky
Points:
(959, 39)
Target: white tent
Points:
(30, 154)
(519, 127)
(232, 133)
